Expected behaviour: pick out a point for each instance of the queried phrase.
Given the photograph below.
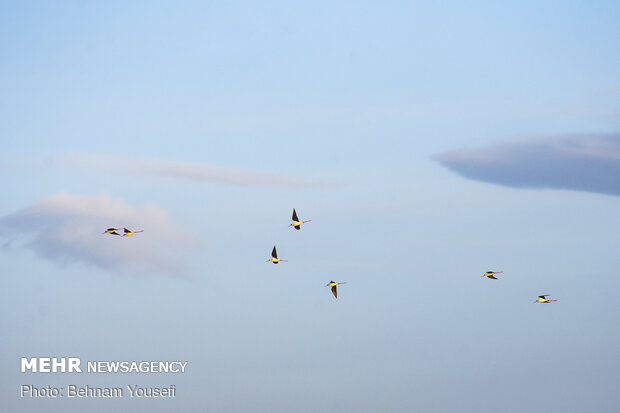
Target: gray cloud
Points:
(191, 171)
(578, 162)
(67, 228)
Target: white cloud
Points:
(191, 171)
(579, 162)
(67, 228)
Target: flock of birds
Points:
(333, 284)
(541, 298)
(126, 232)
(274, 254)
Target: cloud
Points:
(67, 228)
(191, 171)
(577, 162)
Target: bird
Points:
(543, 299)
(274, 256)
(129, 232)
(490, 274)
(112, 231)
(296, 222)
(333, 284)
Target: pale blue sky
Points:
(205, 124)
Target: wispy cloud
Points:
(191, 171)
(67, 228)
(578, 162)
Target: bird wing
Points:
(274, 254)
(126, 231)
(295, 215)
(298, 227)
(543, 296)
(495, 278)
(335, 291)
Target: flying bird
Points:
(112, 231)
(333, 284)
(129, 232)
(296, 222)
(274, 256)
(543, 299)
(490, 274)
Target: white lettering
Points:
(183, 364)
(29, 364)
(74, 365)
(44, 364)
(31, 391)
(56, 363)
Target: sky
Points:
(427, 142)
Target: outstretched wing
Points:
(274, 254)
(295, 215)
(298, 227)
(490, 276)
(335, 291)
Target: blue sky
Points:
(428, 144)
